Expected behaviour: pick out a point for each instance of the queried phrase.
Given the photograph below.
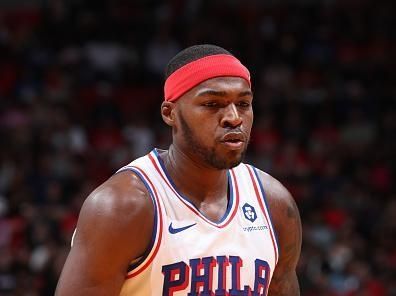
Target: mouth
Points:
(233, 141)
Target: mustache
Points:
(236, 130)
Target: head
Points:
(208, 104)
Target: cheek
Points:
(248, 122)
(206, 129)
(205, 121)
(197, 127)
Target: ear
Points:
(168, 112)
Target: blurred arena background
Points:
(80, 90)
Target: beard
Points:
(209, 154)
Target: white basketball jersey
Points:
(192, 255)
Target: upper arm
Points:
(114, 227)
(287, 223)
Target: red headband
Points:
(192, 74)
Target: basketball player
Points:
(193, 219)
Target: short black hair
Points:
(192, 53)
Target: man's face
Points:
(214, 120)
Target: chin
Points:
(229, 163)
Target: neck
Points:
(192, 178)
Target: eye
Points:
(210, 104)
(244, 104)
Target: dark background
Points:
(80, 91)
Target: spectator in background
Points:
(328, 60)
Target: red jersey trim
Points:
(157, 243)
(260, 199)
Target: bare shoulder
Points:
(287, 223)
(121, 200)
(119, 211)
(114, 227)
(281, 202)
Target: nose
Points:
(231, 117)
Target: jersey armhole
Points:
(262, 198)
(140, 263)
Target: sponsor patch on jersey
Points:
(255, 228)
(249, 212)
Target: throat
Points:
(208, 190)
(214, 209)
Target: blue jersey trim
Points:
(154, 233)
(230, 187)
(266, 205)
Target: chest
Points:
(237, 253)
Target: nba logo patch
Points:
(249, 212)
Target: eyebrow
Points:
(219, 93)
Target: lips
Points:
(233, 137)
(233, 141)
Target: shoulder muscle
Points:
(114, 227)
(287, 223)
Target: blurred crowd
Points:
(80, 90)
